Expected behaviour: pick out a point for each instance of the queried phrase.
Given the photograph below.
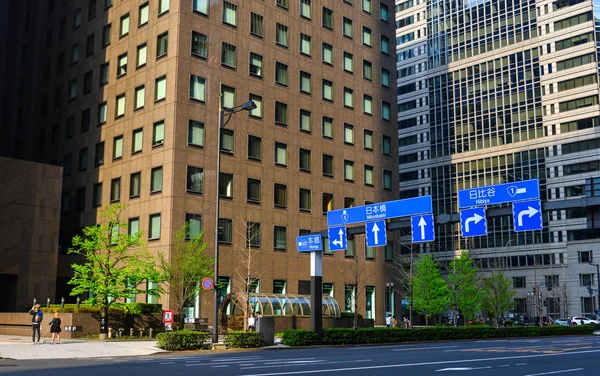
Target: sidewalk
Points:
(21, 348)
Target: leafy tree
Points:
(115, 263)
(185, 268)
(465, 287)
(497, 295)
(430, 290)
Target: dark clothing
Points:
(36, 320)
(55, 325)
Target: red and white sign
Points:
(167, 316)
(208, 284)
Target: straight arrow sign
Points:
(375, 231)
(422, 225)
(422, 228)
(376, 234)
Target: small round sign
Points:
(207, 283)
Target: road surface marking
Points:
(427, 348)
(555, 372)
(461, 369)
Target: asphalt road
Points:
(571, 356)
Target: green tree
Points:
(498, 295)
(465, 286)
(185, 268)
(115, 262)
(430, 290)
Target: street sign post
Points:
(379, 211)
(499, 194)
(473, 222)
(422, 228)
(338, 239)
(309, 243)
(527, 215)
(376, 234)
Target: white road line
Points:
(521, 364)
(166, 363)
(427, 348)
(461, 369)
(306, 364)
(504, 365)
(422, 364)
(220, 366)
(555, 372)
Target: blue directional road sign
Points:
(499, 194)
(527, 215)
(376, 234)
(381, 210)
(309, 243)
(338, 238)
(473, 222)
(422, 228)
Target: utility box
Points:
(266, 327)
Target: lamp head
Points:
(248, 106)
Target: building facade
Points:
(125, 96)
(492, 92)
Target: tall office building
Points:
(492, 92)
(125, 96)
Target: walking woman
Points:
(55, 328)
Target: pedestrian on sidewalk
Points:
(36, 320)
(55, 328)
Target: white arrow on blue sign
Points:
(309, 243)
(422, 228)
(473, 222)
(376, 234)
(527, 215)
(338, 238)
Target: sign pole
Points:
(316, 291)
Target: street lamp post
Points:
(248, 106)
(598, 286)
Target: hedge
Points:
(344, 336)
(117, 308)
(244, 340)
(182, 340)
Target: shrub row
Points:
(343, 336)
(244, 340)
(131, 308)
(182, 340)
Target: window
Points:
(368, 140)
(585, 256)
(103, 78)
(256, 62)
(201, 6)
(586, 280)
(67, 164)
(366, 6)
(156, 179)
(227, 96)
(305, 45)
(253, 238)
(227, 141)
(348, 97)
(285, 4)
(197, 88)
(142, 52)
(158, 133)
(229, 13)
(280, 195)
(280, 238)
(115, 190)
(305, 121)
(106, 33)
(347, 29)
(327, 52)
(383, 12)
(138, 100)
(327, 18)
(281, 35)
(83, 159)
(348, 134)
(387, 180)
(386, 145)
(327, 127)
(194, 222)
(369, 177)
(305, 82)
(87, 82)
(254, 191)
(99, 154)
(122, 65)
(328, 165)
(348, 170)
(91, 9)
(228, 55)
(306, 9)
(162, 45)
(124, 25)
(160, 88)
(304, 160)
(135, 183)
(85, 120)
(327, 203)
(385, 77)
(101, 113)
(134, 226)
(254, 148)
(366, 36)
(281, 117)
(304, 200)
(348, 62)
(195, 133)
(279, 287)
(327, 90)
(368, 104)
(349, 297)
(120, 106)
(226, 233)
(519, 282)
(97, 195)
(367, 70)
(163, 6)
(143, 14)
(257, 25)
(281, 74)
(195, 180)
(225, 185)
(199, 45)
(280, 154)
(72, 89)
(384, 45)
(258, 101)
(118, 147)
(154, 227)
(137, 140)
(77, 18)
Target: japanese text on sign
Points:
(482, 195)
(375, 211)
